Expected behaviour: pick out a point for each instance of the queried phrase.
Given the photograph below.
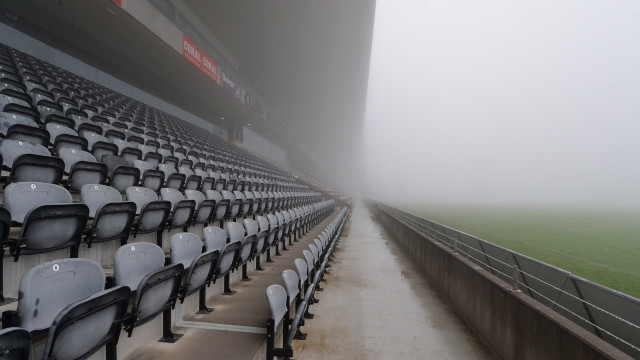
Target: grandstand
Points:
(165, 193)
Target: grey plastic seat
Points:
(303, 271)
(48, 288)
(84, 327)
(20, 198)
(12, 149)
(15, 344)
(247, 249)
(151, 177)
(71, 156)
(29, 134)
(122, 144)
(208, 183)
(316, 253)
(185, 247)
(231, 181)
(258, 203)
(181, 210)
(101, 148)
(200, 274)
(135, 260)
(251, 203)
(235, 231)
(175, 180)
(252, 228)
(112, 217)
(309, 258)
(274, 229)
(152, 213)
(288, 222)
(282, 227)
(37, 168)
(214, 238)
(63, 140)
(204, 206)
(221, 205)
(192, 181)
(277, 298)
(234, 206)
(121, 173)
(145, 149)
(245, 205)
(263, 224)
(49, 219)
(220, 183)
(82, 168)
(154, 158)
(319, 246)
(9, 119)
(93, 138)
(291, 284)
(156, 293)
(131, 153)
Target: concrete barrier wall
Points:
(511, 324)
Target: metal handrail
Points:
(609, 314)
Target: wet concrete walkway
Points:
(377, 305)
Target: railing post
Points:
(514, 284)
(455, 246)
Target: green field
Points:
(600, 245)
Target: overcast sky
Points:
(505, 102)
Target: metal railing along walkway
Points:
(607, 313)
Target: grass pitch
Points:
(600, 245)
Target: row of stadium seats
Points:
(45, 218)
(299, 288)
(52, 108)
(82, 163)
(67, 297)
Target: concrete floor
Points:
(377, 305)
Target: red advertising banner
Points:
(198, 58)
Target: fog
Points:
(504, 102)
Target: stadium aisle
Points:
(376, 305)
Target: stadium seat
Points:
(204, 207)
(112, 217)
(247, 249)
(181, 210)
(152, 213)
(252, 228)
(140, 266)
(186, 248)
(121, 173)
(49, 219)
(36, 168)
(173, 179)
(48, 288)
(151, 178)
(234, 205)
(277, 298)
(222, 206)
(28, 134)
(272, 238)
(82, 169)
(86, 326)
(216, 239)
